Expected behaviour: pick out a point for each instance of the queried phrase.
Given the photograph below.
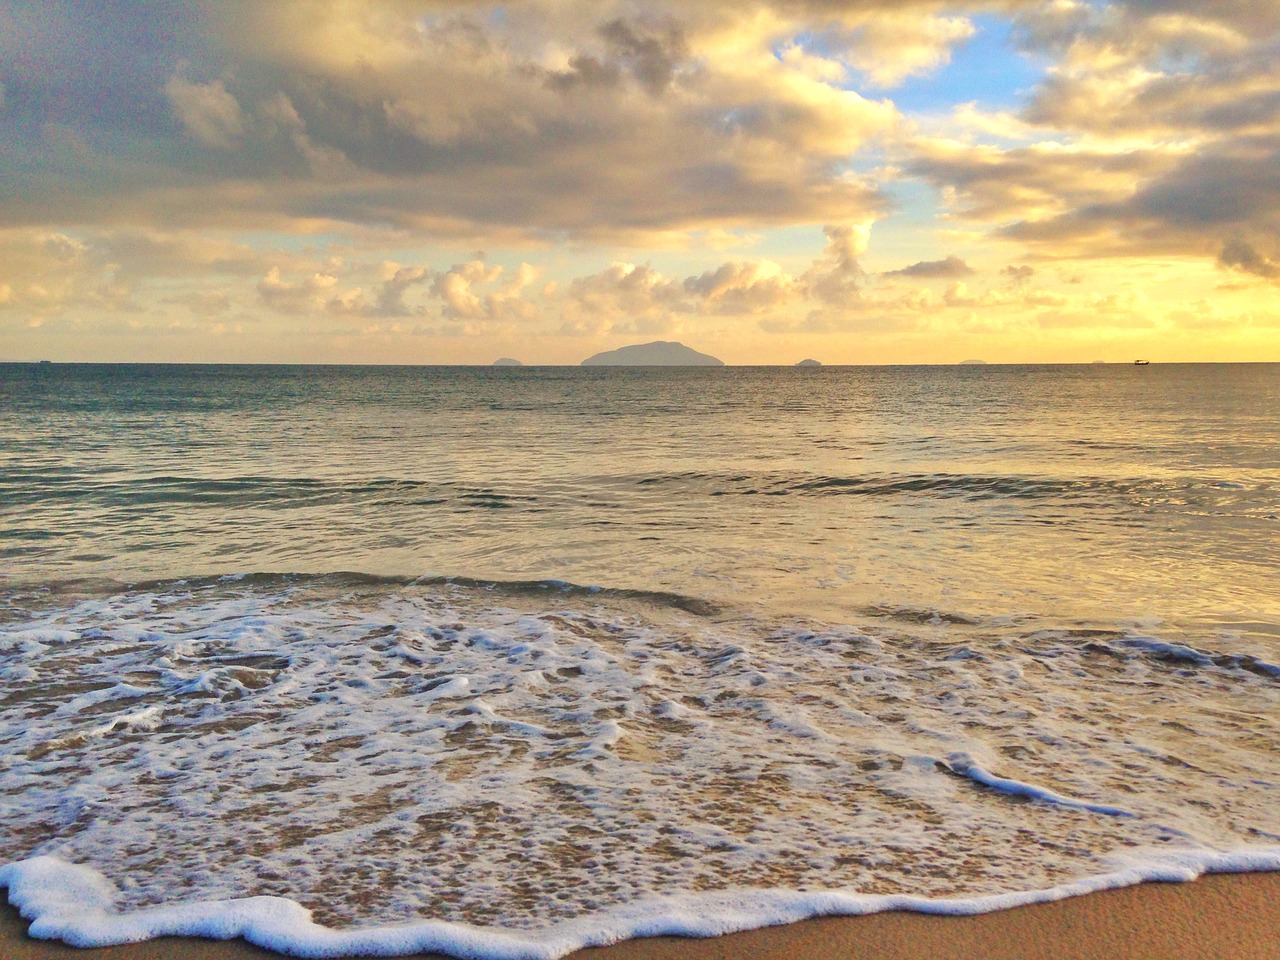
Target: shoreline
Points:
(1231, 916)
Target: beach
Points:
(1225, 916)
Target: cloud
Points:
(651, 58)
(638, 298)
(322, 165)
(391, 296)
(1153, 133)
(744, 287)
(456, 288)
(949, 268)
(1034, 182)
(1192, 207)
(325, 163)
(207, 111)
(134, 254)
(836, 277)
(543, 123)
(891, 45)
(79, 276)
(295, 296)
(957, 295)
(1133, 67)
(1241, 255)
(621, 295)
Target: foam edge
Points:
(74, 903)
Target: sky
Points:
(428, 181)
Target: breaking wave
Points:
(518, 769)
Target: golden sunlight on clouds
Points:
(440, 181)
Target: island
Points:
(809, 363)
(507, 362)
(973, 363)
(660, 353)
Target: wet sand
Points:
(1226, 917)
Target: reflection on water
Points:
(1078, 491)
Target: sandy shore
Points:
(1224, 917)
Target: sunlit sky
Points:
(425, 181)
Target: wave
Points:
(1122, 645)
(339, 580)
(539, 765)
(964, 765)
(257, 489)
(955, 485)
(1180, 653)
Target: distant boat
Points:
(1141, 363)
(44, 363)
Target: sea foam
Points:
(334, 766)
(74, 904)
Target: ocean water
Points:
(507, 661)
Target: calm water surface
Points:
(1071, 491)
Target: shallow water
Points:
(938, 632)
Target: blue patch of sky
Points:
(986, 68)
(909, 233)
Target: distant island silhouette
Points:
(507, 362)
(973, 363)
(809, 363)
(660, 353)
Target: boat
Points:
(1141, 363)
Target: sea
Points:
(506, 661)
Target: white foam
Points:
(121, 691)
(75, 904)
(1173, 651)
(146, 719)
(1183, 654)
(963, 763)
(521, 761)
